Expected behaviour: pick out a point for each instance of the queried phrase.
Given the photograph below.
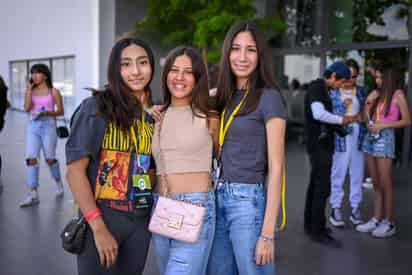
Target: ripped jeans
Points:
(180, 258)
(41, 135)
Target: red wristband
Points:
(93, 214)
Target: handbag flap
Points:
(166, 208)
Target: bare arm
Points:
(368, 104)
(80, 186)
(59, 103)
(27, 98)
(275, 131)
(405, 120)
(214, 132)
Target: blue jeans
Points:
(240, 209)
(41, 135)
(180, 258)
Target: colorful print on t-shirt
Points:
(112, 176)
(112, 181)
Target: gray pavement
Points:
(30, 244)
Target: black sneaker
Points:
(356, 217)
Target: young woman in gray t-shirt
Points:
(252, 134)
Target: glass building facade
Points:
(63, 73)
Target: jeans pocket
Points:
(244, 193)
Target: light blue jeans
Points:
(240, 209)
(41, 135)
(180, 258)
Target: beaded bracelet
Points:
(266, 238)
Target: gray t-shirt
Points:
(86, 136)
(244, 152)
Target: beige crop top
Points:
(186, 143)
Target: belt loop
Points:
(228, 187)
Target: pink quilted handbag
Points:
(176, 219)
(179, 220)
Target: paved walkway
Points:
(30, 244)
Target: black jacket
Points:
(3, 104)
(319, 135)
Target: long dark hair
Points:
(200, 94)
(3, 86)
(390, 83)
(43, 69)
(262, 77)
(116, 102)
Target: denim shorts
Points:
(381, 146)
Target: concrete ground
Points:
(30, 244)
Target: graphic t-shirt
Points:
(112, 152)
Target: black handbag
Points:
(74, 235)
(62, 131)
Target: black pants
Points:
(1, 128)
(133, 237)
(318, 191)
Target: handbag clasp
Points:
(175, 221)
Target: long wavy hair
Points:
(43, 69)
(391, 81)
(200, 104)
(116, 102)
(262, 77)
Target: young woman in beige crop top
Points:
(182, 148)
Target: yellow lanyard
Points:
(224, 128)
(139, 149)
(222, 134)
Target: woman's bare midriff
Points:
(184, 183)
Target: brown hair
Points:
(262, 77)
(116, 102)
(390, 83)
(200, 95)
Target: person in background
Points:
(348, 100)
(320, 124)
(40, 101)
(3, 109)
(386, 109)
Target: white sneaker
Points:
(384, 230)
(60, 189)
(369, 226)
(336, 218)
(367, 184)
(30, 200)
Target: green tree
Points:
(202, 23)
(367, 12)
